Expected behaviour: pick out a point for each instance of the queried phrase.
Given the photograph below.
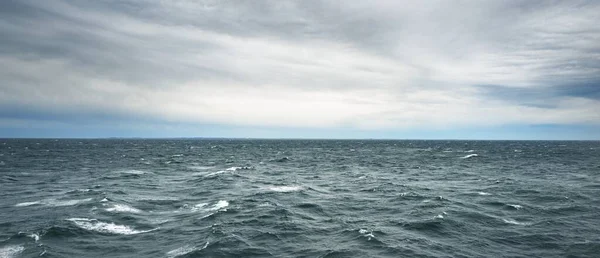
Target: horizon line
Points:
(283, 138)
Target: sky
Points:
(525, 70)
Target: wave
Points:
(514, 222)
(206, 208)
(221, 204)
(285, 189)
(53, 202)
(83, 190)
(123, 208)
(11, 251)
(366, 233)
(24, 204)
(483, 193)
(238, 168)
(231, 169)
(515, 206)
(133, 172)
(470, 156)
(184, 250)
(215, 173)
(105, 227)
(180, 251)
(201, 167)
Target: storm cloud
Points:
(369, 65)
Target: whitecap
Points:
(238, 168)
(11, 251)
(180, 251)
(184, 250)
(366, 233)
(133, 172)
(285, 189)
(219, 205)
(123, 208)
(23, 204)
(83, 190)
(59, 203)
(215, 173)
(516, 206)
(34, 236)
(439, 216)
(514, 222)
(201, 167)
(483, 193)
(53, 202)
(470, 156)
(105, 227)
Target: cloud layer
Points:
(313, 64)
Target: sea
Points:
(298, 198)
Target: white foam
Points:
(10, 251)
(201, 167)
(514, 222)
(104, 200)
(470, 151)
(215, 173)
(439, 216)
(366, 233)
(54, 202)
(238, 168)
(483, 193)
(123, 208)
(133, 172)
(285, 189)
(219, 205)
(34, 236)
(180, 251)
(59, 203)
(516, 206)
(105, 227)
(184, 250)
(470, 156)
(23, 204)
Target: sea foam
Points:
(514, 222)
(285, 189)
(123, 208)
(470, 156)
(105, 227)
(11, 251)
(53, 202)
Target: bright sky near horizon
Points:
(300, 69)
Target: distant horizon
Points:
(316, 139)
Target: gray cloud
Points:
(382, 64)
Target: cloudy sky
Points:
(300, 69)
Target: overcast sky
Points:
(318, 69)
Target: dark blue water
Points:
(299, 198)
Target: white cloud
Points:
(424, 69)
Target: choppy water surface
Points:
(298, 198)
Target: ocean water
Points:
(298, 198)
